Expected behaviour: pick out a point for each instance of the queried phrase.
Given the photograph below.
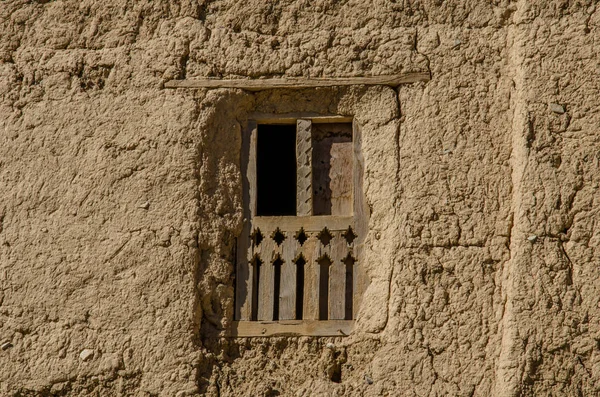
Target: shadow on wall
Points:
(219, 222)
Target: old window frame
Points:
(246, 323)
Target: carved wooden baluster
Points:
(267, 279)
(351, 265)
(323, 257)
(337, 277)
(311, 277)
(287, 292)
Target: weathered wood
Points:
(266, 251)
(304, 198)
(252, 133)
(311, 278)
(299, 83)
(243, 304)
(309, 223)
(240, 329)
(350, 266)
(287, 291)
(361, 220)
(291, 118)
(332, 169)
(323, 267)
(337, 278)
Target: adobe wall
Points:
(121, 200)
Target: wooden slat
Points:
(287, 292)
(252, 133)
(298, 83)
(291, 328)
(361, 219)
(350, 270)
(304, 202)
(265, 289)
(337, 278)
(243, 304)
(291, 118)
(309, 223)
(311, 279)
(332, 173)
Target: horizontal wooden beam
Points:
(292, 118)
(291, 327)
(297, 83)
(309, 223)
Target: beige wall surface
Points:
(120, 200)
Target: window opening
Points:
(304, 209)
(276, 170)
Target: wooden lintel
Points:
(290, 328)
(292, 118)
(298, 83)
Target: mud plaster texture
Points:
(120, 200)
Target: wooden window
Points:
(299, 255)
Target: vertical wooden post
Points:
(287, 291)
(243, 304)
(251, 170)
(304, 192)
(311, 278)
(337, 277)
(361, 219)
(266, 250)
(304, 207)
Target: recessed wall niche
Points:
(299, 255)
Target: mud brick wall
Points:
(120, 200)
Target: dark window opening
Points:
(276, 170)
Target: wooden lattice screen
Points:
(302, 274)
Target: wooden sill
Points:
(244, 329)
